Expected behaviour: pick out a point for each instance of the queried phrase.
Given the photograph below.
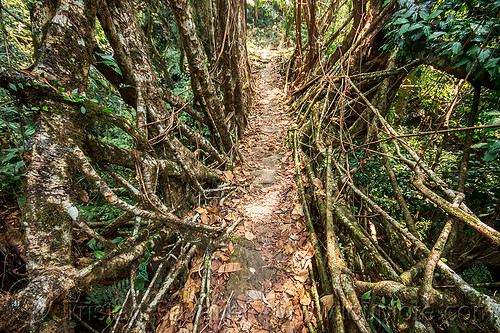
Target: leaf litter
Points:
(260, 280)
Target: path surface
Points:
(269, 251)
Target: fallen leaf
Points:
(200, 210)
(221, 256)
(212, 210)
(327, 302)
(305, 298)
(288, 327)
(230, 267)
(191, 287)
(258, 306)
(228, 175)
(255, 294)
(213, 315)
(317, 182)
(174, 314)
(204, 219)
(230, 217)
(249, 235)
(297, 210)
(163, 329)
(289, 249)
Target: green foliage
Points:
(142, 274)
(476, 274)
(108, 296)
(97, 248)
(16, 51)
(15, 129)
(466, 32)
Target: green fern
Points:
(109, 295)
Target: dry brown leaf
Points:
(230, 247)
(258, 306)
(289, 288)
(163, 329)
(245, 324)
(200, 210)
(174, 314)
(317, 182)
(289, 249)
(84, 261)
(204, 219)
(250, 236)
(305, 298)
(228, 175)
(221, 256)
(230, 217)
(212, 210)
(271, 298)
(191, 287)
(255, 294)
(183, 330)
(297, 210)
(288, 327)
(229, 267)
(327, 302)
(303, 277)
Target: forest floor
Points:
(260, 281)
(271, 244)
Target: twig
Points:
(315, 297)
(205, 286)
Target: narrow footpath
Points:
(261, 280)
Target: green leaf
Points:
(401, 20)
(99, 254)
(398, 304)
(492, 153)
(484, 55)
(492, 63)
(434, 14)
(424, 14)
(384, 325)
(44, 108)
(107, 110)
(108, 320)
(437, 34)
(83, 109)
(116, 308)
(12, 86)
(481, 145)
(366, 295)
(455, 47)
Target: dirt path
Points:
(269, 250)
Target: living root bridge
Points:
(153, 181)
(365, 256)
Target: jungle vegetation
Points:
(119, 117)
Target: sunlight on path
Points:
(268, 290)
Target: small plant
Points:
(97, 248)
